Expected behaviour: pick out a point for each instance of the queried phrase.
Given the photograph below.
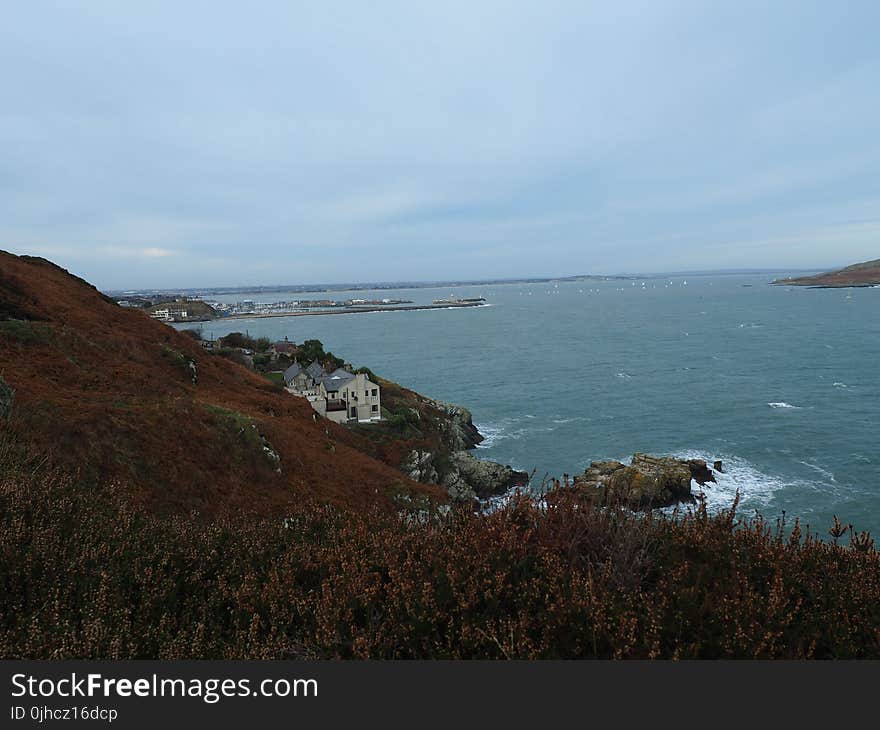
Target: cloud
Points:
(124, 252)
(315, 142)
(156, 252)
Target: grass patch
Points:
(26, 331)
(275, 377)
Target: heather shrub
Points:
(84, 573)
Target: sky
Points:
(175, 144)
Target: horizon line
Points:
(427, 283)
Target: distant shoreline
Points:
(453, 284)
(349, 310)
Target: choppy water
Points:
(782, 384)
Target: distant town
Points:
(195, 309)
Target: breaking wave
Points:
(756, 488)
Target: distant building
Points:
(315, 370)
(284, 348)
(341, 396)
(298, 380)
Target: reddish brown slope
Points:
(864, 274)
(107, 390)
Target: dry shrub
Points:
(84, 574)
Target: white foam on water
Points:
(839, 385)
(755, 487)
(508, 429)
(624, 376)
(782, 404)
(818, 469)
(491, 434)
(563, 421)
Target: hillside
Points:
(118, 396)
(864, 274)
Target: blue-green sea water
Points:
(780, 383)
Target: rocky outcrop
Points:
(419, 466)
(450, 463)
(648, 482)
(466, 478)
(456, 428)
(469, 477)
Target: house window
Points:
(375, 409)
(375, 392)
(354, 412)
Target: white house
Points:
(351, 397)
(341, 396)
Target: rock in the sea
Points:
(648, 482)
(718, 466)
(700, 472)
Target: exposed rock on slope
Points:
(649, 482)
(465, 477)
(469, 477)
(457, 430)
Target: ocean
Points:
(780, 383)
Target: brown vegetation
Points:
(88, 575)
(117, 395)
(864, 274)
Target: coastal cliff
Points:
(431, 442)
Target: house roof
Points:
(292, 372)
(315, 370)
(337, 379)
(288, 347)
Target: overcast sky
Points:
(161, 144)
